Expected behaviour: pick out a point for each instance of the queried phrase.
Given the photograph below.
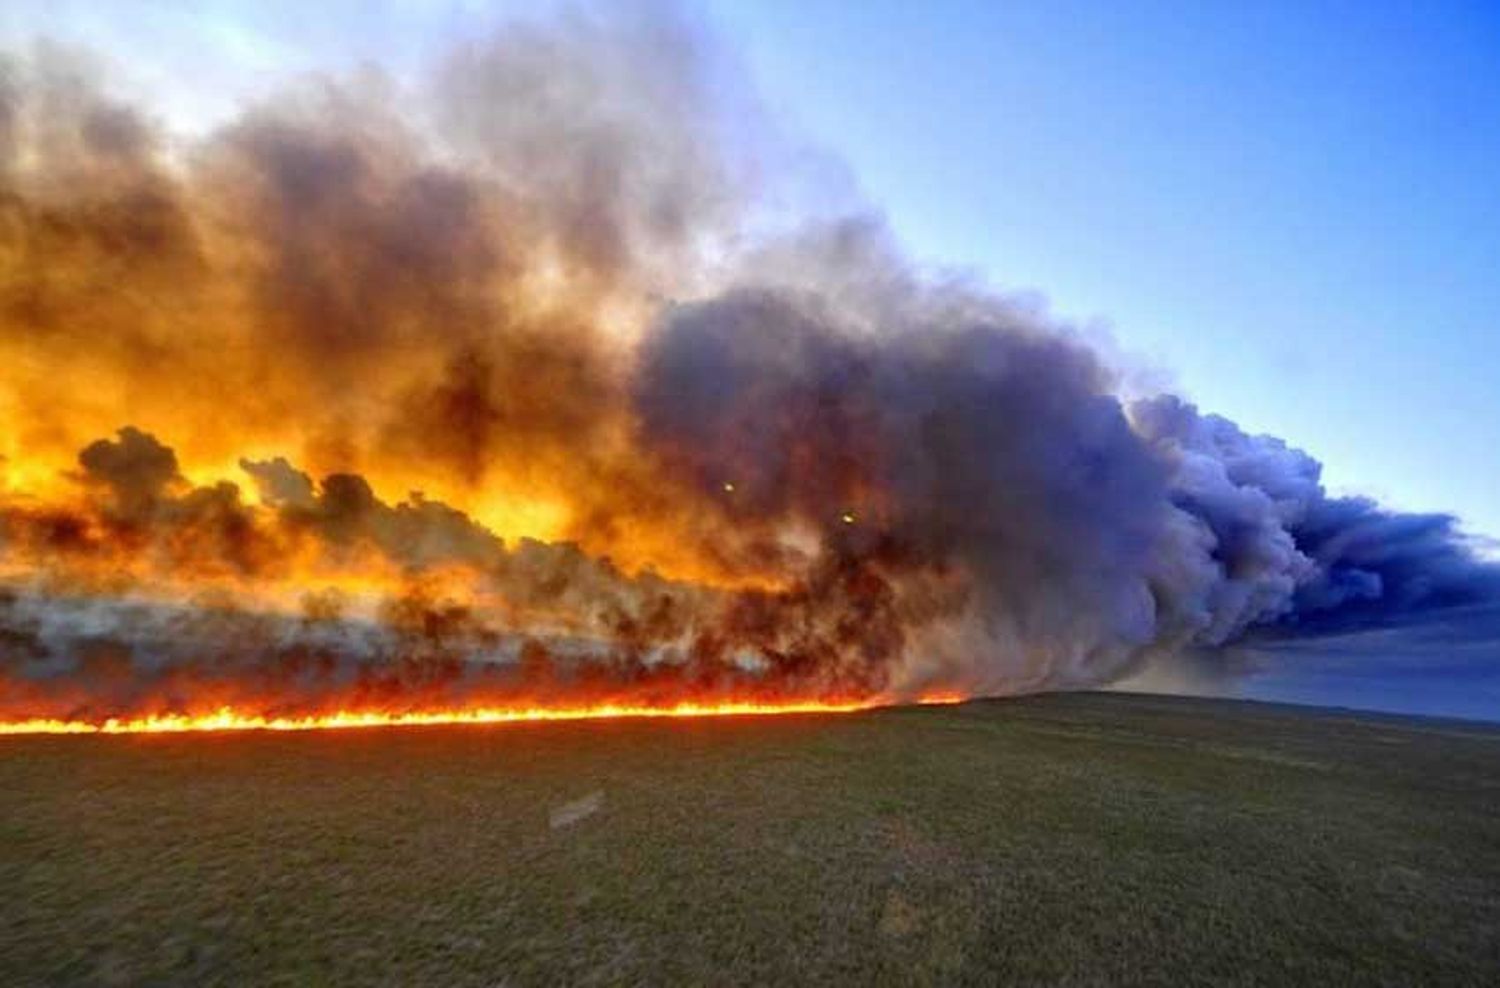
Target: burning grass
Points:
(227, 719)
(1064, 839)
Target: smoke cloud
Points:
(506, 390)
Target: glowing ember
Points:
(227, 719)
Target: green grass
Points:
(1068, 839)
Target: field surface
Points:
(1080, 839)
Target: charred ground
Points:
(1062, 839)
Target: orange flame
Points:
(227, 719)
(372, 413)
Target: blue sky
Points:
(1293, 209)
(1288, 210)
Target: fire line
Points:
(227, 719)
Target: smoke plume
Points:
(519, 386)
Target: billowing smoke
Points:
(1290, 560)
(520, 386)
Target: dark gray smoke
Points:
(1292, 561)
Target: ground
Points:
(1081, 839)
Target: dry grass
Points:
(1070, 839)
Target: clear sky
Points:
(1291, 209)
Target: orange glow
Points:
(311, 424)
(227, 719)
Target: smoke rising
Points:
(505, 391)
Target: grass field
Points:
(1066, 839)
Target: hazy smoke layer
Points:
(656, 450)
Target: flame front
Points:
(227, 719)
